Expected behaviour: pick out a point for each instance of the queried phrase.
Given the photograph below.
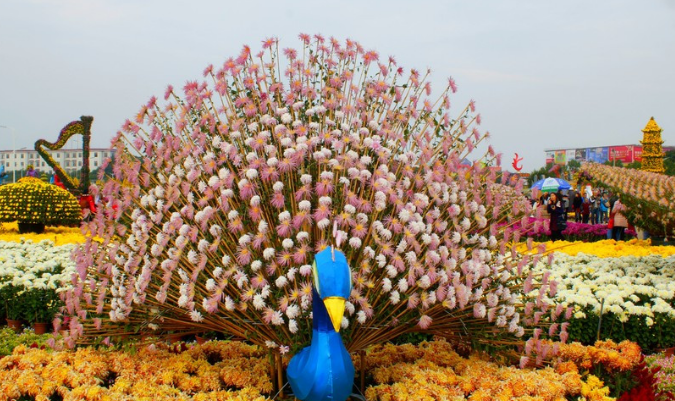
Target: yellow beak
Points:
(336, 309)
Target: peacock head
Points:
(333, 282)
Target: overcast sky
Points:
(544, 74)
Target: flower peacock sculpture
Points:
(225, 196)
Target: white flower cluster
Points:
(625, 286)
(36, 266)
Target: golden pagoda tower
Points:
(652, 152)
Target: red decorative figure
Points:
(517, 160)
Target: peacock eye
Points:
(315, 277)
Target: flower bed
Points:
(214, 371)
(9, 232)
(31, 276)
(237, 371)
(611, 248)
(433, 371)
(10, 340)
(665, 376)
(634, 294)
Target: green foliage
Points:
(542, 171)
(634, 166)
(10, 340)
(412, 338)
(11, 308)
(659, 335)
(615, 163)
(39, 305)
(669, 163)
(573, 165)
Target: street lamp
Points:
(13, 150)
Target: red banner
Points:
(627, 154)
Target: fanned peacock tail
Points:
(222, 194)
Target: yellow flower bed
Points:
(237, 371)
(201, 373)
(607, 248)
(9, 232)
(433, 371)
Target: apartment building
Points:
(69, 159)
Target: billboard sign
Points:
(623, 153)
(560, 157)
(580, 155)
(598, 155)
(550, 157)
(571, 155)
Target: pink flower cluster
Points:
(222, 194)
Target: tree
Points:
(669, 162)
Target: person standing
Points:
(604, 208)
(577, 204)
(593, 199)
(620, 221)
(585, 210)
(557, 211)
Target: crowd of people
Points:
(589, 207)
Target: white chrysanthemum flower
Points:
(193, 257)
(256, 265)
(268, 253)
(386, 284)
(244, 240)
(292, 311)
(231, 215)
(361, 317)
(302, 236)
(402, 285)
(323, 224)
(355, 242)
(424, 282)
(394, 297)
(258, 302)
(349, 209)
(325, 200)
(229, 304)
(226, 260)
(285, 215)
(305, 205)
(305, 270)
(292, 326)
(281, 281)
(344, 324)
(255, 200)
(287, 243)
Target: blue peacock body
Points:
(324, 371)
